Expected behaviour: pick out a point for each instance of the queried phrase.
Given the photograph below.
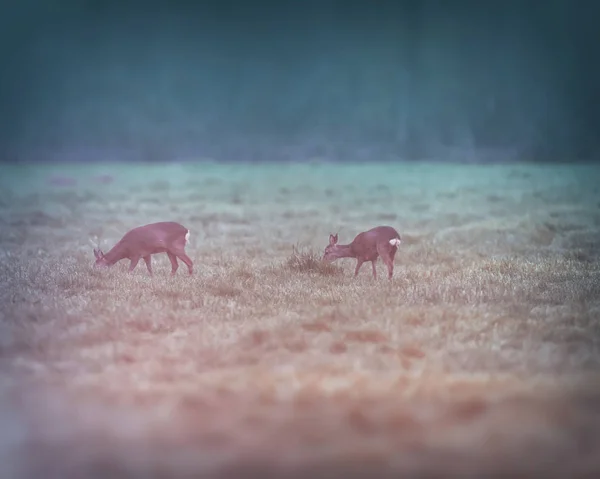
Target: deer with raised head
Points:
(143, 241)
(367, 246)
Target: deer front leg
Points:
(148, 264)
(359, 263)
(133, 263)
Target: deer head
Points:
(100, 259)
(332, 249)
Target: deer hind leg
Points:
(389, 262)
(174, 264)
(387, 253)
(180, 253)
(374, 268)
(392, 255)
(148, 262)
(359, 263)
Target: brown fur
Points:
(366, 246)
(144, 241)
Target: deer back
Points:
(158, 233)
(366, 242)
(153, 238)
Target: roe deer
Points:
(367, 246)
(143, 241)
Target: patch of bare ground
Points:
(478, 359)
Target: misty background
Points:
(343, 80)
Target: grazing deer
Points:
(367, 246)
(143, 241)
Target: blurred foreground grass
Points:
(479, 358)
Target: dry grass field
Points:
(479, 359)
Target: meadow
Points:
(479, 359)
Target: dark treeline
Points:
(275, 80)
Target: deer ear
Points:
(97, 253)
(333, 239)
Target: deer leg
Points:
(387, 253)
(148, 264)
(185, 258)
(389, 262)
(374, 268)
(359, 263)
(133, 263)
(174, 264)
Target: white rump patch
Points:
(395, 241)
(187, 237)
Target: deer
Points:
(367, 246)
(142, 242)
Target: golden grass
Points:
(480, 358)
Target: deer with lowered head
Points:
(367, 246)
(144, 241)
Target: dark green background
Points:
(285, 80)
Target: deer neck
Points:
(344, 251)
(117, 253)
